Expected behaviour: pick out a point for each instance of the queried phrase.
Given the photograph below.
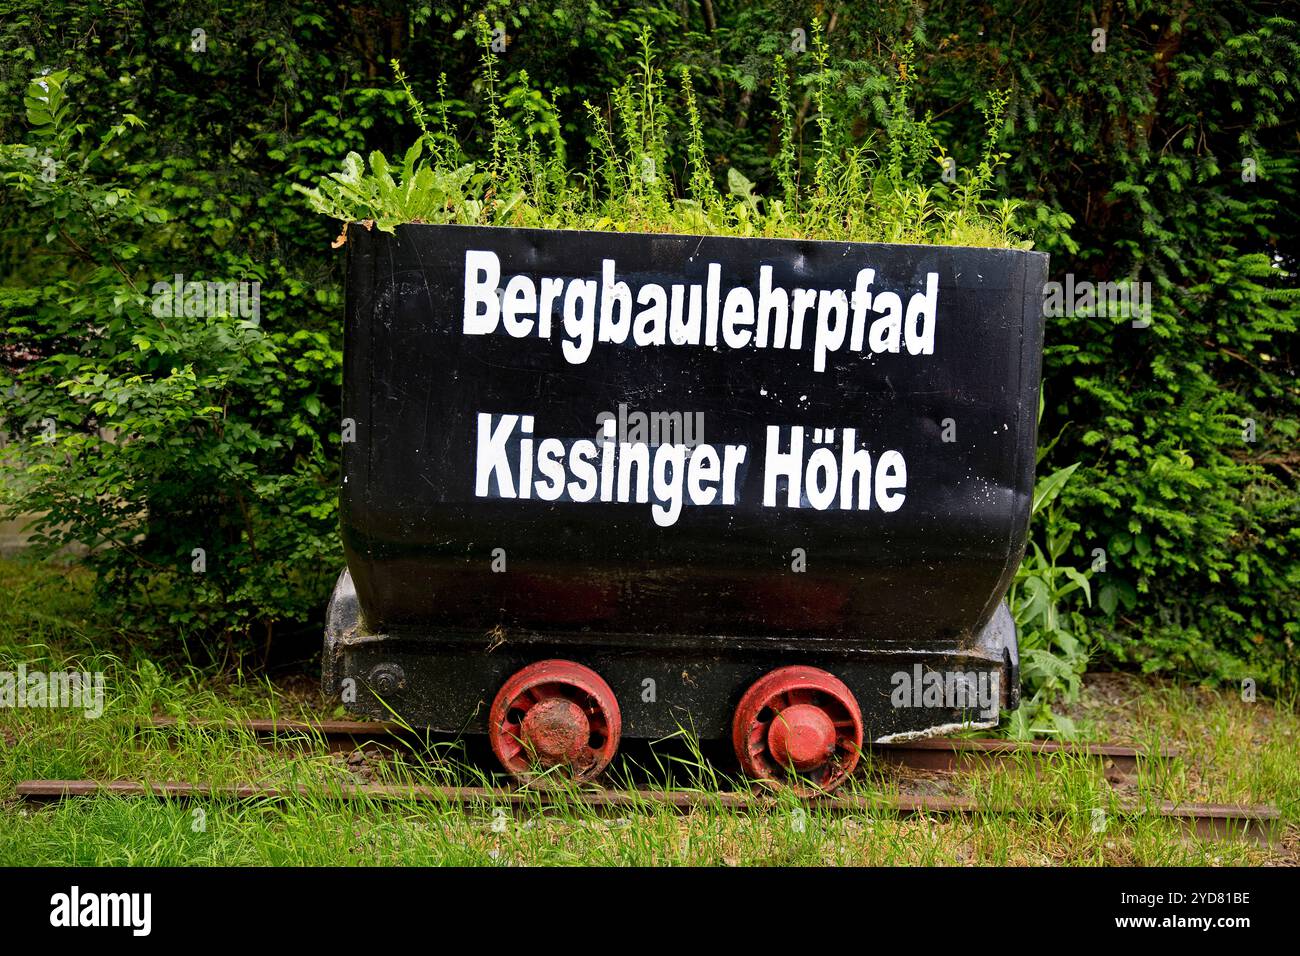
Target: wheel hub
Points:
(802, 737)
(557, 731)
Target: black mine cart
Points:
(605, 485)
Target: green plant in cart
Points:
(638, 178)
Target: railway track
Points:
(1208, 821)
(941, 754)
(1120, 766)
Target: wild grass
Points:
(1230, 752)
(640, 178)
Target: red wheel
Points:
(555, 714)
(798, 722)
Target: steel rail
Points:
(942, 754)
(1259, 824)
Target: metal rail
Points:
(1209, 821)
(942, 754)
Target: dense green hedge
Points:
(1132, 161)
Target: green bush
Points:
(1145, 146)
(178, 443)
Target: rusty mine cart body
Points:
(603, 485)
